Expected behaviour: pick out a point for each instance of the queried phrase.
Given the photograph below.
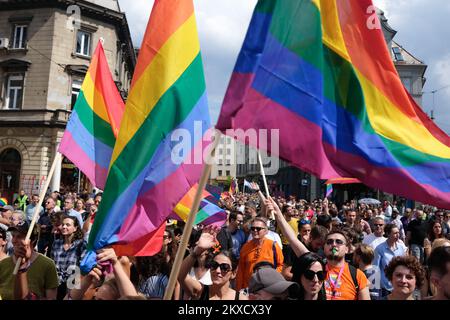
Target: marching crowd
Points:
(268, 249)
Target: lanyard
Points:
(333, 284)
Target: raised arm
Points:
(21, 290)
(88, 282)
(296, 245)
(126, 287)
(207, 240)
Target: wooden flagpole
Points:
(190, 221)
(265, 181)
(58, 158)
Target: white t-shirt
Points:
(373, 241)
(205, 279)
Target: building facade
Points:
(45, 51)
(224, 166)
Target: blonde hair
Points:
(365, 252)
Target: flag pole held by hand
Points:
(38, 206)
(190, 222)
(272, 216)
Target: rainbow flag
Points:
(167, 101)
(322, 75)
(209, 212)
(329, 190)
(233, 186)
(3, 202)
(94, 123)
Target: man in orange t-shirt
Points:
(339, 284)
(256, 250)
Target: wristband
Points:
(25, 269)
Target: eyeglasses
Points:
(224, 267)
(165, 237)
(258, 229)
(339, 242)
(309, 274)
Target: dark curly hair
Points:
(409, 262)
(78, 234)
(153, 265)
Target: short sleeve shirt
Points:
(41, 276)
(343, 286)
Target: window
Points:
(407, 82)
(83, 43)
(228, 173)
(220, 173)
(228, 162)
(398, 54)
(76, 87)
(20, 36)
(228, 151)
(220, 162)
(14, 91)
(220, 151)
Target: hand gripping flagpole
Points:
(58, 158)
(190, 221)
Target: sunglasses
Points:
(224, 267)
(257, 228)
(309, 274)
(339, 242)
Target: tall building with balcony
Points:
(45, 51)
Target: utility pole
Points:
(433, 92)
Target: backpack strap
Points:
(274, 249)
(353, 272)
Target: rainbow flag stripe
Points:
(209, 212)
(318, 72)
(329, 190)
(3, 202)
(91, 132)
(167, 97)
(342, 181)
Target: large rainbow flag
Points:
(94, 123)
(322, 74)
(167, 104)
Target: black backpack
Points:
(353, 272)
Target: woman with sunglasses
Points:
(222, 267)
(309, 272)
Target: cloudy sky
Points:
(222, 26)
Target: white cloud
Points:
(221, 26)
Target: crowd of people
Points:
(268, 249)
